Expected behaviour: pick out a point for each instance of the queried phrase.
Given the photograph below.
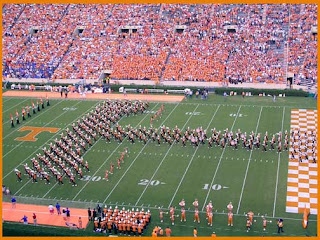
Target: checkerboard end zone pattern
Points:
(302, 184)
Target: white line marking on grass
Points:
(245, 176)
(175, 193)
(276, 190)
(43, 126)
(115, 186)
(49, 140)
(163, 159)
(110, 156)
(24, 122)
(215, 173)
(13, 107)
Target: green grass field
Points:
(159, 176)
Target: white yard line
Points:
(14, 107)
(245, 176)
(8, 99)
(22, 123)
(217, 168)
(163, 159)
(107, 159)
(276, 190)
(115, 186)
(48, 141)
(175, 193)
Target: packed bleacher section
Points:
(43, 41)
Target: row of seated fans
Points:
(256, 52)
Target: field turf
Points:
(155, 176)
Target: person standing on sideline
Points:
(80, 223)
(168, 232)
(195, 232)
(58, 209)
(280, 225)
(68, 213)
(24, 219)
(89, 214)
(51, 209)
(13, 201)
(34, 219)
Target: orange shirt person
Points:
(230, 219)
(210, 218)
(195, 232)
(183, 215)
(250, 216)
(196, 216)
(168, 232)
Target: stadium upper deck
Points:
(270, 40)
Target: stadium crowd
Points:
(78, 41)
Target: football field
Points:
(154, 176)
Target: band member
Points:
(11, 119)
(17, 117)
(23, 114)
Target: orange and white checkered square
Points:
(302, 185)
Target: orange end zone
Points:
(98, 96)
(43, 215)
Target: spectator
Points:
(89, 214)
(13, 201)
(51, 209)
(58, 209)
(34, 219)
(8, 191)
(24, 219)
(68, 213)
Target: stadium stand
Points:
(232, 43)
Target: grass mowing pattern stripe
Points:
(245, 176)
(276, 190)
(215, 173)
